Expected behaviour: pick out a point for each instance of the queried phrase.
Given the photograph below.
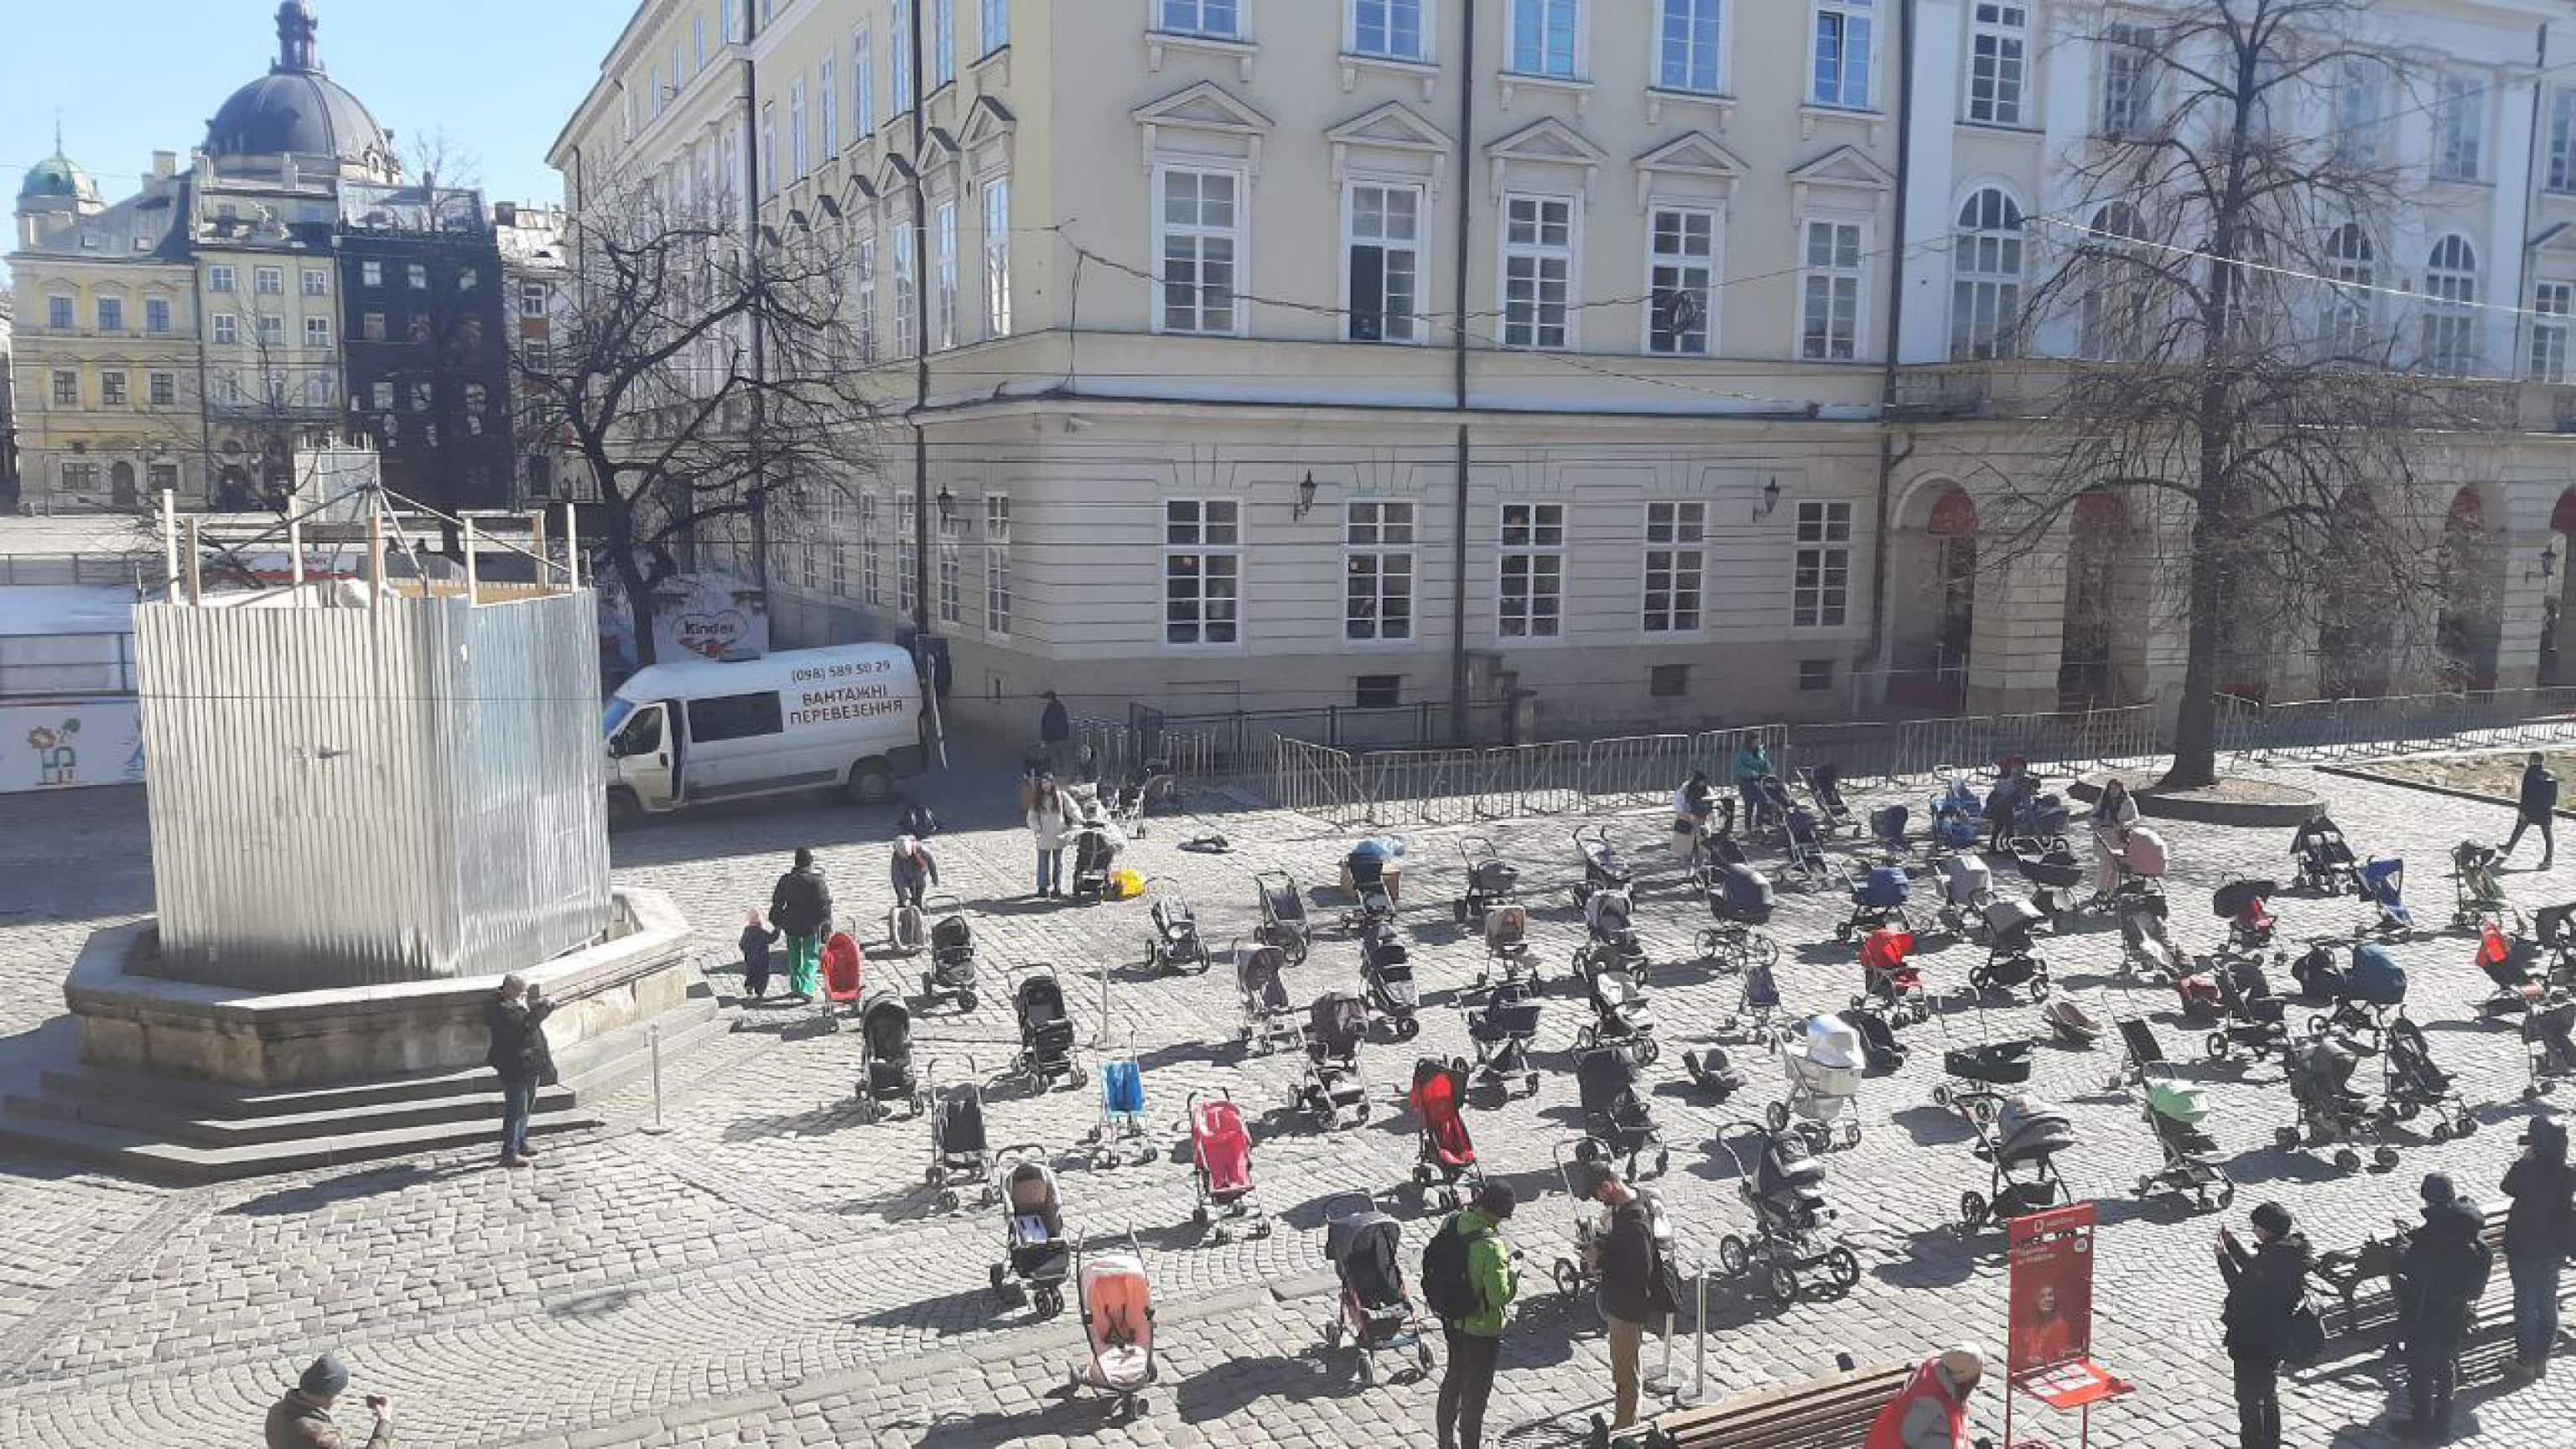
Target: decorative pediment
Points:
(894, 174)
(1844, 169)
(1549, 142)
(2559, 240)
(859, 194)
(1207, 112)
(1694, 157)
(1392, 127)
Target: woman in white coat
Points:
(2113, 814)
(1051, 822)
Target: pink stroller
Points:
(1118, 1323)
(1221, 1167)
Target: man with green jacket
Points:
(1476, 1341)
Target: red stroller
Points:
(1447, 1167)
(845, 969)
(1889, 976)
(1221, 1162)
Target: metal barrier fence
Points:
(2326, 730)
(1190, 755)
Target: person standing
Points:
(801, 905)
(756, 941)
(1636, 1290)
(1480, 1309)
(515, 1021)
(2440, 1273)
(1693, 806)
(1752, 767)
(2539, 1233)
(2263, 1288)
(302, 1418)
(915, 869)
(2113, 814)
(1055, 731)
(1931, 1411)
(2538, 806)
(1050, 822)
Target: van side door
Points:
(646, 747)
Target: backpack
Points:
(1447, 1286)
(2303, 1334)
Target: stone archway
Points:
(120, 485)
(2356, 618)
(1936, 584)
(2102, 644)
(2469, 625)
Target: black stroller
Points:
(1283, 914)
(1824, 786)
(1887, 827)
(951, 976)
(2325, 862)
(1146, 787)
(1802, 849)
(1501, 1030)
(960, 1154)
(1331, 1091)
(885, 1070)
(1046, 1032)
(1616, 1120)
(2548, 1046)
(2250, 1018)
(1373, 903)
(2146, 946)
(2554, 927)
(1491, 881)
(1740, 901)
(1611, 943)
(1623, 1017)
(1793, 1222)
(2011, 959)
(1386, 974)
(2330, 1112)
(2049, 864)
(1975, 1074)
(2021, 1136)
(2244, 906)
(2413, 1084)
(1176, 944)
(1366, 1249)
(1604, 868)
(1093, 853)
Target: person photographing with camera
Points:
(2264, 1288)
(302, 1419)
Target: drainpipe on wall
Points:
(1458, 700)
(759, 331)
(922, 522)
(1888, 455)
(2534, 176)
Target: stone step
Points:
(217, 1129)
(217, 1099)
(144, 1155)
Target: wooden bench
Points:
(1833, 1412)
(2362, 1278)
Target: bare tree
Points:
(2226, 276)
(702, 376)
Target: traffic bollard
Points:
(653, 1037)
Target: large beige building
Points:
(1285, 353)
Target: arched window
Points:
(1985, 278)
(2450, 344)
(2355, 267)
(2111, 314)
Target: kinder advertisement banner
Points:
(700, 615)
(65, 744)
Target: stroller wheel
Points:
(948, 1201)
(1777, 1114)
(1199, 1215)
(1732, 1258)
(2441, 1132)
(1648, 1053)
(966, 1001)
(1784, 1283)
(2346, 1160)
(1587, 1151)
(1972, 1211)
(2286, 1138)
(1407, 1028)
(1851, 1132)
(2039, 987)
(1844, 1265)
(1333, 1335)
(1941, 1094)
(2384, 1158)
(1001, 1281)
(1368, 1369)
(1663, 1161)
(1422, 1355)
(2217, 1045)
(2467, 1126)
(1569, 1279)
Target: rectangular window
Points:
(418, 276)
(1820, 593)
(80, 477)
(1199, 237)
(1681, 281)
(1390, 28)
(272, 330)
(2459, 129)
(827, 90)
(899, 55)
(952, 583)
(1222, 18)
(727, 30)
(798, 152)
(867, 299)
(162, 477)
(1668, 681)
(371, 274)
(111, 314)
(944, 258)
(2359, 111)
(1382, 246)
(1377, 691)
(840, 565)
(734, 717)
(1538, 271)
(997, 257)
(2554, 307)
(532, 299)
(1829, 293)
(769, 149)
(698, 41)
(163, 389)
(1676, 565)
(219, 279)
(383, 395)
(371, 326)
(1530, 579)
(1842, 52)
(943, 42)
(156, 316)
(1543, 37)
(1378, 568)
(871, 575)
(2561, 174)
(907, 532)
(1815, 675)
(863, 84)
(317, 331)
(317, 283)
(996, 20)
(1202, 572)
(997, 564)
(270, 281)
(2128, 79)
(111, 389)
(227, 328)
(905, 293)
(59, 315)
(1998, 61)
(1686, 54)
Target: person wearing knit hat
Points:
(2539, 1232)
(2264, 1287)
(2440, 1273)
(302, 1419)
(1931, 1412)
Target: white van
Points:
(704, 730)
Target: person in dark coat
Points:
(515, 1017)
(914, 870)
(801, 905)
(302, 1419)
(2539, 1233)
(1636, 1290)
(1055, 730)
(755, 943)
(2538, 806)
(2441, 1272)
(2263, 1287)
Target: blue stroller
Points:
(2360, 994)
(1955, 812)
(2383, 884)
(1122, 1113)
(1757, 1009)
(1878, 899)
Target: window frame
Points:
(2353, 325)
(1676, 547)
(1532, 552)
(66, 397)
(1240, 235)
(2558, 163)
(1000, 601)
(1426, 24)
(1709, 290)
(2553, 316)
(871, 572)
(906, 290)
(948, 572)
(316, 282)
(943, 270)
(2448, 315)
(1571, 253)
(1165, 9)
(113, 388)
(1857, 274)
(1380, 553)
(1417, 321)
(997, 255)
(863, 258)
(224, 329)
(1577, 48)
(2002, 341)
(104, 308)
(62, 312)
(161, 389)
(317, 332)
(2011, 58)
(992, 27)
(268, 281)
(827, 100)
(222, 278)
(1868, 13)
(899, 59)
(2459, 130)
(1831, 551)
(2360, 140)
(863, 82)
(800, 143)
(1203, 551)
(158, 310)
(941, 24)
(1661, 39)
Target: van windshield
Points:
(618, 710)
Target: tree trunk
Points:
(630, 575)
(2196, 723)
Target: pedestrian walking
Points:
(2264, 1285)
(1051, 818)
(1636, 1291)
(1931, 1411)
(2004, 803)
(917, 821)
(2539, 1233)
(1752, 766)
(1469, 1281)
(2538, 806)
(914, 869)
(302, 1419)
(801, 905)
(1055, 730)
(2113, 814)
(1693, 806)
(755, 943)
(2440, 1274)
(515, 1019)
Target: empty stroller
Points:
(1122, 1112)
(1739, 901)
(959, 1153)
(1046, 1033)
(1365, 870)
(1221, 1169)
(845, 975)
(1623, 1017)
(1176, 944)
(2011, 960)
(951, 976)
(2383, 885)
(2244, 906)
(2248, 1017)
(1967, 887)
(2362, 993)
(1802, 849)
(1036, 1253)
(1501, 1030)
(1616, 1120)
(1331, 1091)
(2330, 1112)
(2049, 864)
(2175, 1111)
(2325, 862)
(1793, 1230)
(2548, 1046)
(1823, 1067)
(2512, 965)
(1386, 974)
(1824, 787)
(1767, 806)
(1887, 827)
(1878, 899)
(1757, 1008)
(885, 1069)
(2554, 927)
(1507, 951)
(1491, 881)
(1269, 1020)
(1147, 786)
(1604, 868)
(1118, 1326)
(2477, 890)
(2412, 1084)
(1283, 915)
(2022, 1138)
(1444, 1169)
(1366, 1249)
(1095, 850)
(1611, 944)
(1955, 812)
(1976, 1073)
(1889, 976)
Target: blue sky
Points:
(135, 76)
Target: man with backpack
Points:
(2265, 1285)
(1636, 1291)
(2539, 1233)
(2441, 1272)
(1468, 1280)
(2536, 805)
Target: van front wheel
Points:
(871, 783)
(624, 811)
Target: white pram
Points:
(1823, 1066)
(1967, 886)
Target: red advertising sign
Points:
(2052, 1289)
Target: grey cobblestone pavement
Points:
(772, 1270)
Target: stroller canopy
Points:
(2184, 1102)
(2145, 853)
(952, 933)
(2030, 1129)
(1335, 1025)
(1258, 974)
(1787, 1169)
(2012, 916)
(1743, 892)
(1608, 912)
(1887, 822)
(1438, 1088)
(1506, 925)
(1039, 1001)
(888, 1028)
(1032, 1195)
(1602, 1076)
(2375, 977)
(1965, 877)
(1831, 1042)
(1492, 878)
(2384, 878)
(1886, 950)
(2322, 1066)
(1367, 1251)
(2232, 899)
(1885, 887)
